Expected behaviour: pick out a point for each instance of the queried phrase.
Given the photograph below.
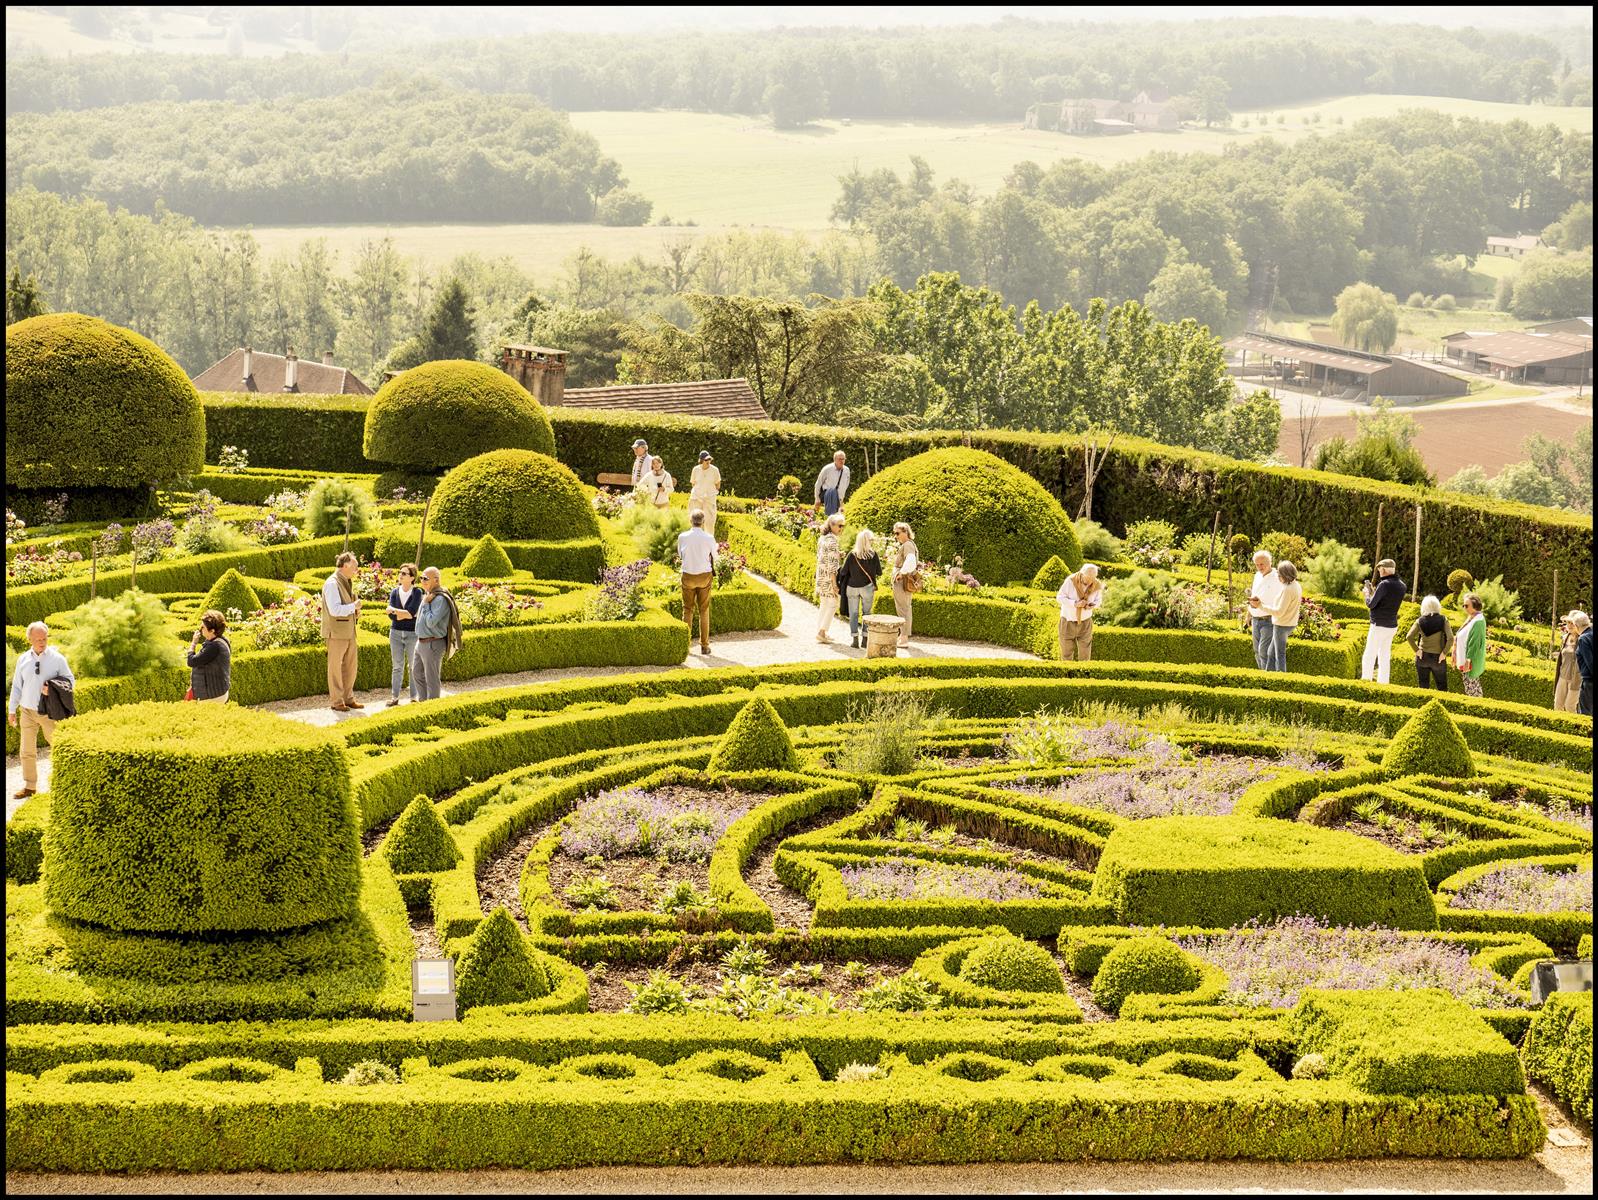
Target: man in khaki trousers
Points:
(1079, 596)
(30, 683)
(339, 610)
(697, 550)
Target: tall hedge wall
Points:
(1140, 479)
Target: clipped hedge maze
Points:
(1101, 915)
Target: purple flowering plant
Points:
(935, 881)
(1527, 888)
(629, 821)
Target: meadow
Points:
(721, 171)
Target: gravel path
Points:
(793, 641)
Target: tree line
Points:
(411, 150)
(1190, 235)
(977, 72)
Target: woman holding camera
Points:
(210, 659)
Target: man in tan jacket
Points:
(1079, 597)
(339, 610)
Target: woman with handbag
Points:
(906, 576)
(858, 577)
(828, 560)
(210, 660)
(656, 485)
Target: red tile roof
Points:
(705, 398)
(267, 374)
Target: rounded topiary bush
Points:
(516, 495)
(498, 966)
(442, 413)
(1051, 574)
(757, 740)
(1012, 964)
(189, 818)
(1429, 743)
(963, 502)
(1144, 964)
(420, 841)
(90, 404)
(231, 591)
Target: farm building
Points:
(542, 371)
(1336, 371)
(1100, 116)
(247, 370)
(1513, 247)
(1524, 356)
(1576, 325)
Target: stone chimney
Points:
(291, 372)
(539, 369)
(249, 365)
(327, 358)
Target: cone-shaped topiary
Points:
(420, 841)
(514, 494)
(1143, 964)
(969, 503)
(757, 740)
(442, 413)
(1429, 743)
(231, 591)
(498, 966)
(1012, 964)
(1051, 574)
(487, 560)
(90, 404)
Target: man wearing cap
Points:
(1383, 600)
(704, 486)
(1567, 668)
(640, 459)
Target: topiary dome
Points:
(487, 560)
(757, 740)
(231, 591)
(420, 841)
(90, 404)
(1142, 964)
(498, 966)
(998, 519)
(1429, 743)
(192, 818)
(1012, 964)
(442, 413)
(516, 495)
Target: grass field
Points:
(724, 171)
(1419, 329)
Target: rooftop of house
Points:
(268, 373)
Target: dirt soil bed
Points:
(1387, 837)
(423, 934)
(790, 909)
(499, 880)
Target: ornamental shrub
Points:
(231, 591)
(757, 740)
(513, 494)
(89, 404)
(325, 506)
(1098, 544)
(440, 414)
(368, 1072)
(1012, 964)
(1459, 582)
(1497, 601)
(1286, 545)
(126, 634)
(1335, 570)
(1051, 574)
(487, 560)
(1197, 552)
(1142, 965)
(969, 503)
(190, 818)
(654, 530)
(498, 966)
(1429, 743)
(1151, 543)
(420, 842)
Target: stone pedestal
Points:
(882, 636)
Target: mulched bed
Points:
(1081, 991)
(1387, 837)
(638, 879)
(372, 838)
(964, 841)
(790, 909)
(424, 935)
(499, 880)
(609, 993)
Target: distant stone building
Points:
(1098, 116)
(542, 371)
(1514, 247)
(247, 370)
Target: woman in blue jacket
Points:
(403, 603)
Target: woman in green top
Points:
(1470, 645)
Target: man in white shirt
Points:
(704, 486)
(697, 550)
(340, 608)
(1079, 596)
(41, 663)
(1263, 594)
(832, 485)
(640, 459)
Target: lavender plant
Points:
(628, 821)
(1527, 889)
(619, 597)
(1208, 788)
(935, 881)
(151, 539)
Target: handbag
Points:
(913, 581)
(189, 695)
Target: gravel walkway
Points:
(793, 641)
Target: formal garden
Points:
(1160, 905)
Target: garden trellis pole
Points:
(1209, 561)
(1228, 566)
(1553, 621)
(422, 532)
(94, 568)
(347, 508)
(1380, 508)
(1414, 581)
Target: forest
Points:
(977, 72)
(402, 149)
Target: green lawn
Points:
(725, 171)
(1419, 329)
